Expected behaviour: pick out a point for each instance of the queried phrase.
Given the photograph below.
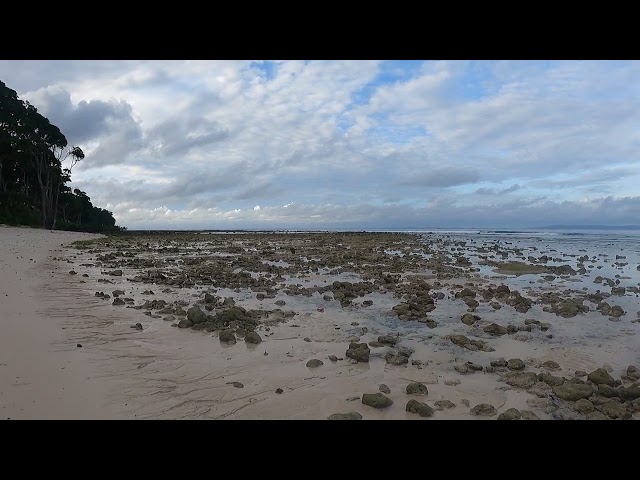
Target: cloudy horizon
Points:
(220, 144)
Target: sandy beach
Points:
(129, 300)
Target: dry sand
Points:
(165, 372)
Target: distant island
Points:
(592, 227)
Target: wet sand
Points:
(163, 371)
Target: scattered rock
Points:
(596, 416)
(583, 406)
(615, 410)
(501, 362)
(495, 330)
(227, 336)
(511, 414)
(521, 379)
(601, 376)
(387, 340)
(252, 337)
(279, 391)
(484, 410)
(515, 364)
(529, 415)
(137, 326)
(551, 365)
(469, 319)
(117, 301)
(314, 363)
(195, 315)
(333, 358)
(550, 379)
(396, 359)
(629, 393)
(79, 345)
(345, 416)
(417, 388)
(444, 404)
(185, 323)
(236, 384)
(376, 400)
(358, 351)
(573, 391)
(385, 389)
(633, 373)
(422, 409)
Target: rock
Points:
(633, 373)
(169, 318)
(615, 410)
(443, 404)
(375, 344)
(376, 400)
(279, 391)
(252, 337)
(521, 379)
(452, 382)
(417, 388)
(396, 359)
(511, 414)
(306, 339)
(117, 301)
(629, 393)
(583, 406)
(551, 365)
(469, 319)
(607, 391)
(314, 363)
(195, 315)
(580, 373)
(185, 323)
(601, 376)
(137, 326)
(79, 345)
(358, 351)
(459, 340)
(529, 415)
(550, 379)
(484, 410)
(499, 363)
(72, 272)
(468, 367)
(384, 389)
(387, 340)
(596, 416)
(573, 391)
(345, 416)
(495, 330)
(236, 384)
(422, 409)
(616, 311)
(227, 336)
(515, 364)
(333, 358)
(117, 293)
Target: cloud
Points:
(346, 142)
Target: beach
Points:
(316, 325)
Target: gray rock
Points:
(573, 391)
(345, 416)
(417, 388)
(195, 315)
(252, 337)
(596, 416)
(515, 364)
(376, 400)
(484, 410)
(422, 409)
(236, 384)
(601, 376)
(227, 336)
(185, 323)
(511, 414)
(501, 362)
(583, 406)
(444, 404)
(615, 410)
(607, 391)
(495, 330)
(396, 359)
(117, 301)
(551, 365)
(358, 351)
(629, 393)
(314, 363)
(333, 358)
(469, 319)
(550, 379)
(521, 379)
(385, 389)
(529, 415)
(387, 340)
(633, 373)
(281, 303)
(468, 367)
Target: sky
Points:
(318, 144)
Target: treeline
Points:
(33, 183)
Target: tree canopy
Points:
(33, 182)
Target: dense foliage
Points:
(33, 183)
